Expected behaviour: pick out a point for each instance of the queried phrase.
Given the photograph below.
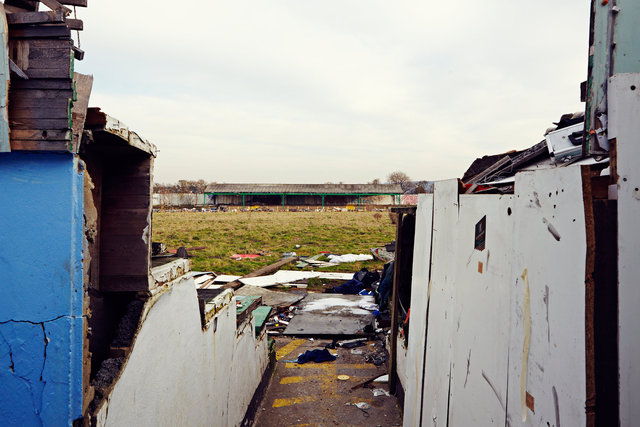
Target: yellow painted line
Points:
(327, 366)
(292, 380)
(286, 349)
(279, 403)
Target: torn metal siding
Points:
(41, 311)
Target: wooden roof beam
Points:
(81, 3)
(54, 16)
(56, 5)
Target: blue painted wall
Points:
(41, 324)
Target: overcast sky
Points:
(303, 91)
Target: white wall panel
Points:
(550, 243)
(624, 126)
(480, 331)
(438, 354)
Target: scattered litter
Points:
(225, 278)
(380, 392)
(369, 306)
(287, 276)
(353, 343)
(297, 246)
(349, 258)
(356, 351)
(363, 406)
(239, 257)
(289, 254)
(382, 254)
(343, 377)
(382, 379)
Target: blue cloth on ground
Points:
(316, 356)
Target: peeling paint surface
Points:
(41, 324)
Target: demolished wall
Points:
(179, 373)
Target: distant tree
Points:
(375, 181)
(398, 177)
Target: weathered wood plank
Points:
(40, 32)
(41, 135)
(81, 3)
(78, 53)
(38, 113)
(19, 102)
(39, 124)
(53, 16)
(29, 5)
(41, 94)
(83, 84)
(55, 5)
(75, 24)
(25, 145)
(44, 84)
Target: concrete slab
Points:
(324, 315)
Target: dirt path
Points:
(312, 395)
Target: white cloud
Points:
(292, 91)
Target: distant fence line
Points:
(197, 200)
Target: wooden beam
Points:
(55, 5)
(21, 18)
(75, 24)
(21, 5)
(84, 83)
(78, 53)
(40, 32)
(81, 3)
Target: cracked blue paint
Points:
(41, 324)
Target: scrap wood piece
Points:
(56, 5)
(75, 24)
(81, 3)
(262, 271)
(83, 84)
(21, 5)
(47, 17)
(247, 305)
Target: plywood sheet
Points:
(440, 320)
(547, 356)
(480, 333)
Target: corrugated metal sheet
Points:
(306, 188)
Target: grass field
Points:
(228, 233)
